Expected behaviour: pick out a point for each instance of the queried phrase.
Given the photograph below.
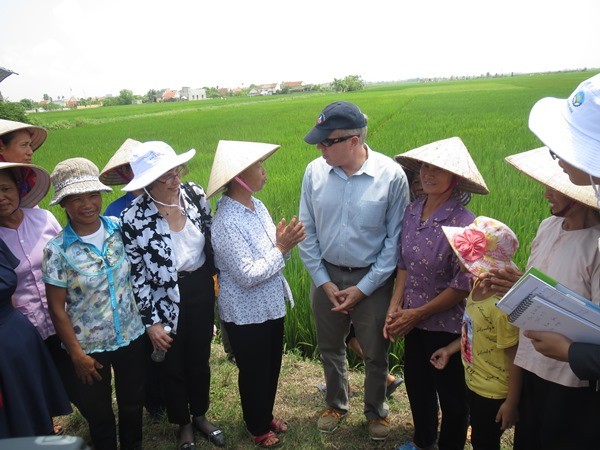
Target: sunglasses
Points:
(329, 142)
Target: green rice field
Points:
(490, 115)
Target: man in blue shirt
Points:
(352, 203)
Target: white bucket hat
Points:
(38, 134)
(75, 176)
(232, 158)
(571, 127)
(450, 155)
(539, 165)
(152, 159)
(37, 185)
(111, 175)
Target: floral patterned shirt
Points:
(149, 247)
(252, 287)
(100, 300)
(431, 263)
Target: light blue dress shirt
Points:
(353, 221)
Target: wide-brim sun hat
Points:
(150, 160)
(483, 245)
(539, 165)
(450, 155)
(571, 127)
(110, 174)
(232, 158)
(37, 186)
(38, 134)
(75, 176)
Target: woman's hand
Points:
(288, 236)
(87, 368)
(401, 322)
(499, 281)
(159, 338)
(552, 345)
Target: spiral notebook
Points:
(537, 302)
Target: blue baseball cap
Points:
(336, 116)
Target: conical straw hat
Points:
(450, 155)
(38, 134)
(232, 158)
(539, 165)
(110, 175)
(38, 185)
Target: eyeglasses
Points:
(329, 142)
(167, 178)
(554, 155)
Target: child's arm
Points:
(507, 414)
(440, 357)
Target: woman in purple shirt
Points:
(429, 297)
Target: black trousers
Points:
(553, 416)
(185, 372)
(425, 384)
(485, 431)
(63, 364)
(95, 401)
(258, 351)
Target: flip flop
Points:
(279, 426)
(392, 387)
(261, 441)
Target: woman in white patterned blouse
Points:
(250, 253)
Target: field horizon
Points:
(489, 114)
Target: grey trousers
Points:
(368, 317)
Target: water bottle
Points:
(158, 355)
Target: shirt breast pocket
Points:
(371, 214)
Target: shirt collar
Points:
(440, 214)
(69, 235)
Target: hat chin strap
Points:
(243, 184)
(596, 189)
(563, 212)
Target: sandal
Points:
(263, 440)
(278, 426)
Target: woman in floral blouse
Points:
(427, 306)
(167, 237)
(91, 303)
(250, 252)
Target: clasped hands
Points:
(400, 322)
(289, 235)
(343, 301)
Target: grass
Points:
(298, 401)
(490, 116)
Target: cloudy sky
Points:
(93, 48)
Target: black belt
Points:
(348, 269)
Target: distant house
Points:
(187, 93)
(170, 95)
(292, 86)
(72, 102)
